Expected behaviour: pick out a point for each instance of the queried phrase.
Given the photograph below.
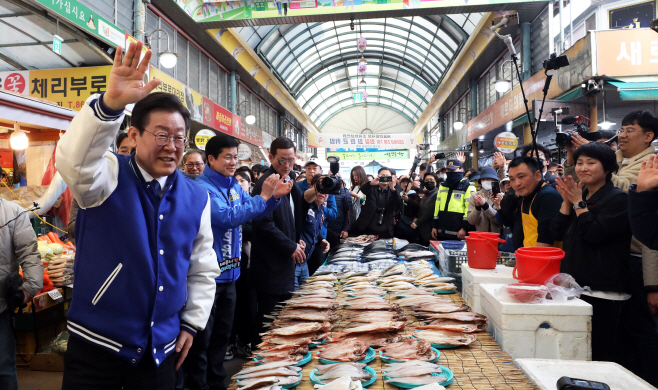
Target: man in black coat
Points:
(382, 202)
(276, 245)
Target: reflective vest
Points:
(451, 208)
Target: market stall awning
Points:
(34, 112)
(637, 91)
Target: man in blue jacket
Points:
(312, 168)
(230, 207)
(145, 266)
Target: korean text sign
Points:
(627, 52)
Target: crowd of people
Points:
(206, 255)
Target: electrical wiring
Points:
(32, 210)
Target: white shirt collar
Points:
(161, 180)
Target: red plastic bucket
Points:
(482, 252)
(535, 265)
(485, 235)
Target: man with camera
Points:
(382, 202)
(311, 232)
(312, 168)
(19, 248)
(451, 208)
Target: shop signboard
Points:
(68, 87)
(244, 152)
(627, 52)
(373, 141)
(86, 19)
(377, 155)
(506, 142)
(15, 81)
(218, 11)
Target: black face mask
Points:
(430, 185)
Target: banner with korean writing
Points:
(367, 156)
(68, 87)
(372, 141)
(626, 52)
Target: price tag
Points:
(55, 294)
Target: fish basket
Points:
(446, 372)
(369, 382)
(451, 261)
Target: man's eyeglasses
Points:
(229, 158)
(194, 165)
(163, 139)
(283, 161)
(627, 131)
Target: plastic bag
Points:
(60, 343)
(563, 287)
(523, 293)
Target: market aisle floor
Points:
(44, 380)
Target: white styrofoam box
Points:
(545, 373)
(472, 278)
(548, 330)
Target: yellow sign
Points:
(506, 142)
(191, 99)
(201, 138)
(68, 87)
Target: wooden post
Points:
(527, 134)
(474, 148)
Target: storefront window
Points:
(632, 16)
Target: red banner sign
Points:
(229, 123)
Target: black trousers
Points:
(639, 329)
(87, 366)
(606, 327)
(245, 323)
(316, 260)
(333, 238)
(204, 365)
(266, 304)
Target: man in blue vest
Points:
(230, 207)
(145, 266)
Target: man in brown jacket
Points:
(639, 129)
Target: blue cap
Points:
(453, 164)
(488, 173)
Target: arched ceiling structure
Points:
(407, 58)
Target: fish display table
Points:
(481, 366)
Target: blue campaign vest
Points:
(133, 255)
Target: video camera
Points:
(330, 184)
(554, 62)
(581, 124)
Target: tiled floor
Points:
(44, 380)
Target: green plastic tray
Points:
(369, 370)
(446, 372)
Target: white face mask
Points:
(444, 176)
(486, 185)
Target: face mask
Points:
(444, 176)
(486, 185)
(454, 176)
(430, 185)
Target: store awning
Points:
(34, 112)
(637, 91)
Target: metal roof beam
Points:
(367, 77)
(383, 89)
(319, 73)
(372, 104)
(380, 98)
(35, 43)
(12, 62)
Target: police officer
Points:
(450, 211)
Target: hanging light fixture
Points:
(166, 58)
(363, 61)
(363, 81)
(18, 139)
(503, 86)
